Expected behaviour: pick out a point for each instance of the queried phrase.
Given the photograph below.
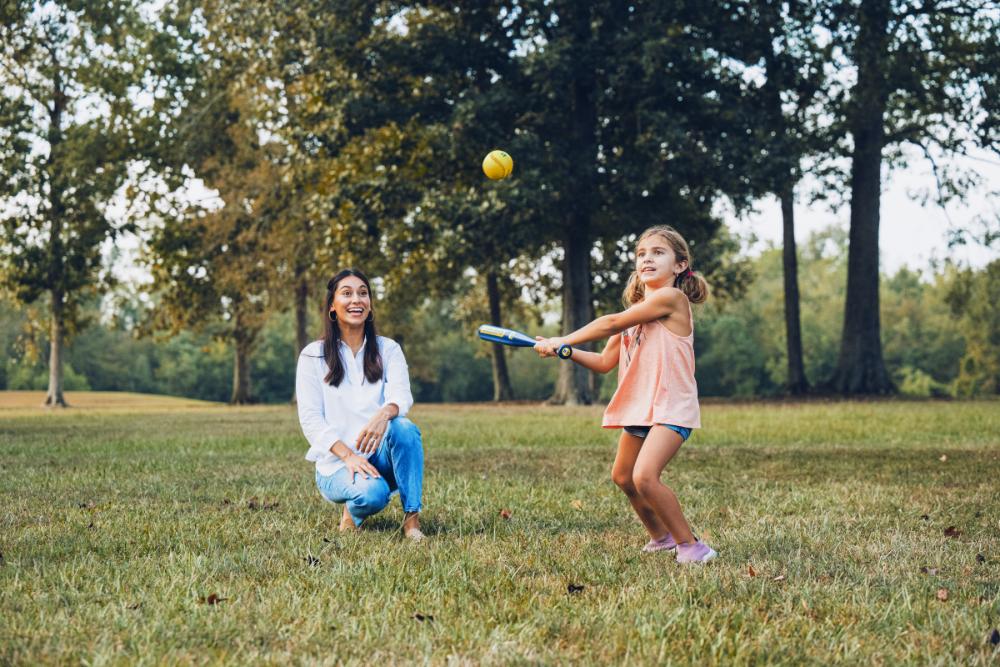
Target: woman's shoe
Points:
(412, 533)
(347, 522)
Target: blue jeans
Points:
(400, 461)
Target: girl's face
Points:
(351, 302)
(656, 262)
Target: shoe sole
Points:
(707, 559)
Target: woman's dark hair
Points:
(331, 335)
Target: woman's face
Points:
(351, 302)
(656, 263)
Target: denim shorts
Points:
(643, 431)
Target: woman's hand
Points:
(546, 347)
(359, 465)
(371, 435)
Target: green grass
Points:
(117, 526)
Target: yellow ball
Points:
(497, 165)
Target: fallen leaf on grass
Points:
(751, 571)
(952, 532)
(424, 617)
(212, 598)
(942, 594)
(505, 514)
(577, 504)
(944, 458)
(254, 504)
(312, 560)
(780, 577)
(995, 637)
(574, 589)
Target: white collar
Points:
(364, 341)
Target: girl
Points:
(656, 402)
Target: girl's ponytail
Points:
(634, 290)
(693, 285)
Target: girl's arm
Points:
(658, 304)
(599, 362)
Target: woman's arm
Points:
(398, 398)
(309, 401)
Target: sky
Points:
(911, 234)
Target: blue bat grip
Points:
(564, 352)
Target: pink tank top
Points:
(655, 379)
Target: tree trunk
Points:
(797, 383)
(56, 262)
(502, 390)
(54, 397)
(301, 320)
(573, 385)
(860, 367)
(243, 343)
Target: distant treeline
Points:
(940, 339)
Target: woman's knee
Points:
(372, 495)
(404, 432)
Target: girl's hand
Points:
(371, 435)
(546, 347)
(359, 465)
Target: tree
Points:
(405, 176)
(974, 297)
(925, 74)
(215, 266)
(633, 120)
(70, 130)
(781, 40)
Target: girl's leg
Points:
(629, 447)
(660, 446)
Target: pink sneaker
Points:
(699, 552)
(665, 544)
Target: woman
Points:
(353, 393)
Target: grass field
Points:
(186, 534)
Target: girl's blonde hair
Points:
(692, 284)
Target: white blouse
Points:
(328, 414)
